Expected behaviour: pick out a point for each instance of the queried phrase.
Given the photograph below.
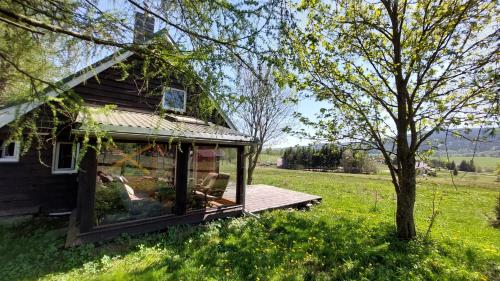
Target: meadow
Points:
(483, 162)
(488, 164)
(349, 236)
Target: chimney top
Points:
(143, 27)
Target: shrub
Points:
(467, 166)
(357, 162)
(436, 163)
(108, 199)
(431, 173)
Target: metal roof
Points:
(140, 125)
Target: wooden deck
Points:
(261, 197)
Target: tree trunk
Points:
(252, 162)
(405, 222)
(406, 174)
(251, 168)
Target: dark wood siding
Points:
(132, 92)
(29, 185)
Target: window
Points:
(9, 151)
(212, 175)
(174, 99)
(64, 158)
(134, 181)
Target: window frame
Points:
(55, 158)
(15, 157)
(168, 107)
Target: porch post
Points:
(86, 190)
(181, 178)
(241, 171)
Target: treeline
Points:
(327, 157)
(465, 166)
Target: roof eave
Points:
(143, 134)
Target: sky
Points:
(308, 107)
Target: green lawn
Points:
(350, 236)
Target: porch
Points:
(261, 197)
(160, 172)
(257, 198)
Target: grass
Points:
(488, 163)
(350, 236)
(445, 177)
(269, 158)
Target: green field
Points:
(349, 236)
(268, 158)
(486, 163)
(445, 177)
(489, 163)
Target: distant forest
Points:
(489, 145)
(463, 145)
(326, 157)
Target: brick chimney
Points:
(144, 27)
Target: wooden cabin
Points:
(167, 164)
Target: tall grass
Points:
(343, 238)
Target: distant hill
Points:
(457, 146)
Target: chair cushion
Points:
(131, 193)
(219, 186)
(209, 177)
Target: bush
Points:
(431, 173)
(467, 166)
(357, 162)
(108, 199)
(436, 163)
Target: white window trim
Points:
(15, 157)
(55, 159)
(167, 107)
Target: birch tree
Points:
(263, 113)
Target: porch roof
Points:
(123, 124)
